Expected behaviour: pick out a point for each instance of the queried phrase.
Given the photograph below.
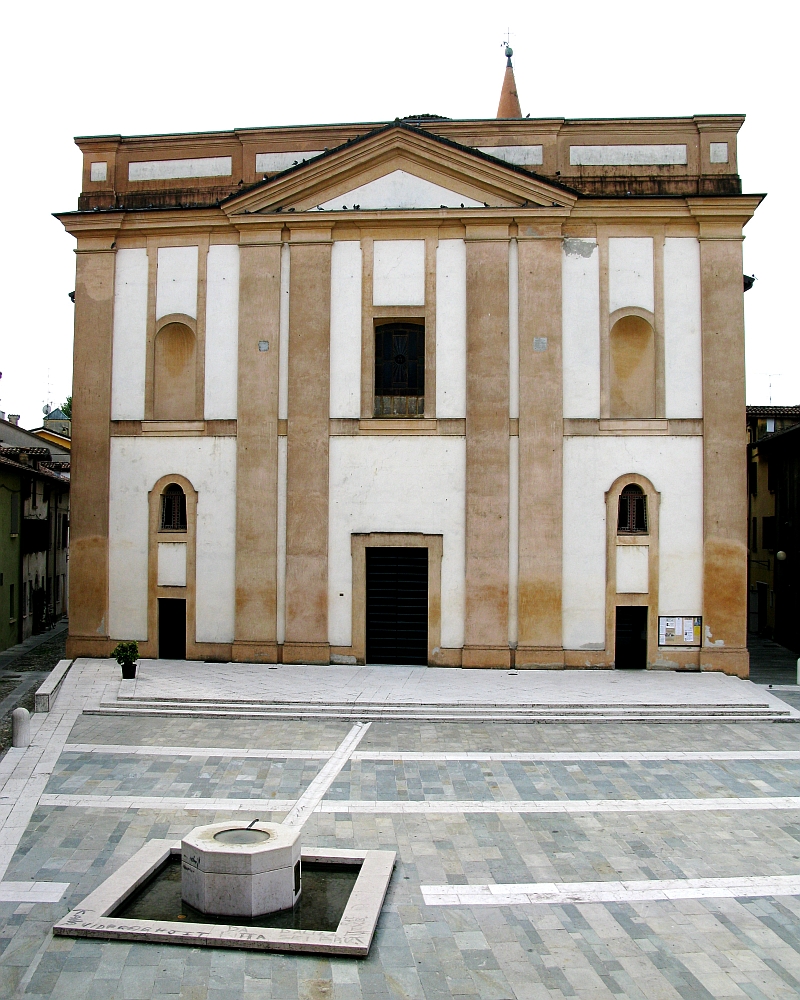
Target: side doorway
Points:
(171, 628)
(630, 640)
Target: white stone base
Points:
(240, 880)
(238, 895)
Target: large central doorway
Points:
(397, 605)
(630, 648)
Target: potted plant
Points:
(126, 654)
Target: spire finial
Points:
(509, 106)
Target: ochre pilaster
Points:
(540, 446)
(307, 463)
(257, 451)
(724, 472)
(487, 568)
(90, 457)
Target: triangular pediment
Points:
(399, 168)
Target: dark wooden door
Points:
(630, 647)
(397, 605)
(171, 628)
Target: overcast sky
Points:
(90, 68)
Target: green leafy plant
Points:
(126, 653)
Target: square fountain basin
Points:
(353, 935)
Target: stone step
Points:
(451, 713)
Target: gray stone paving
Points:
(691, 949)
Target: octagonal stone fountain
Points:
(237, 870)
(238, 885)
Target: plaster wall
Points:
(674, 465)
(129, 350)
(268, 163)
(580, 311)
(176, 283)
(451, 329)
(345, 390)
(398, 277)
(626, 156)
(400, 189)
(162, 170)
(222, 332)
(520, 155)
(632, 569)
(171, 564)
(136, 464)
(371, 490)
(683, 345)
(630, 273)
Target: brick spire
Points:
(509, 100)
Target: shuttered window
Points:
(400, 370)
(173, 509)
(632, 517)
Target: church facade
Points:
(463, 393)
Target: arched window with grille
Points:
(173, 508)
(632, 513)
(400, 370)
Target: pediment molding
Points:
(479, 178)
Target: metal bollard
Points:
(21, 727)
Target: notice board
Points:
(679, 631)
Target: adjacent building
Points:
(774, 506)
(34, 533)
(455, 392)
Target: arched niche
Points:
(633, 368)
(175, 372)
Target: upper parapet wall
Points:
(601, 158)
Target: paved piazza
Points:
(545, 860)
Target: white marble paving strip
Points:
(422, 755)
(318, 788)
(166, 751)
(32, 892)
(433, 807)
(168, 803)
(610, 892)
(25, 783)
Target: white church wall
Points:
(209, 464)
(176, 283)
(400, 190)
(222, 332)
(674, 465)
(683, 347)
(371, 490)
(129, 350)
(630, 273)
(451, 328)
(345, 356)
(580, 289)
(398, 277)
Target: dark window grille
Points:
(173, 509)
(400, 370)
(632, 517)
